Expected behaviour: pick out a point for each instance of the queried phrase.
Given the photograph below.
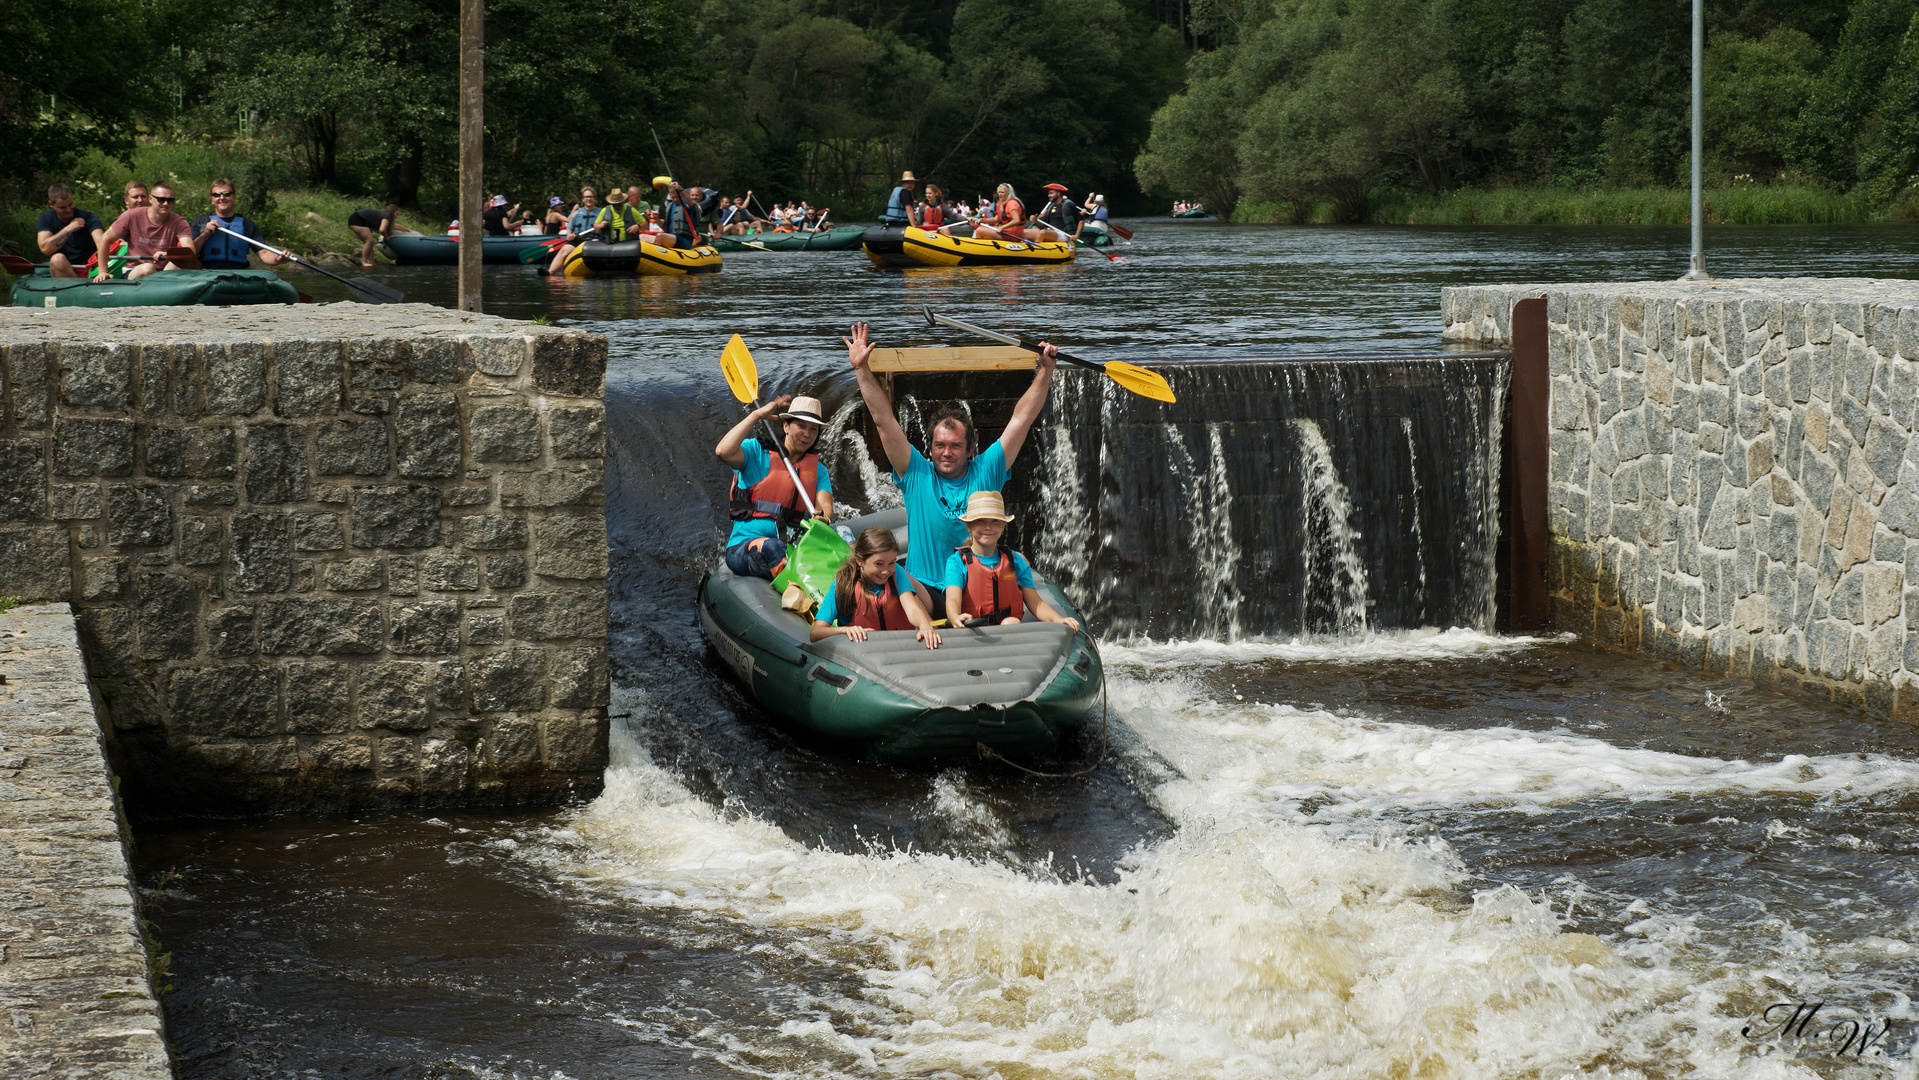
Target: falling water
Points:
(1276, 498)
(1336, 579)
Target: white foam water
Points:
(1260, 940)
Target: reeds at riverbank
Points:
(1748, 204)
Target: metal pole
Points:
(472, 148)
(1698, 270)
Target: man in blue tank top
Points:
(899, 205)
(936, 485)
(217, 250)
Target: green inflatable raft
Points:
(1021, 691)
(167, 288)
(842, 238)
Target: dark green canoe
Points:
(840, 238)
(168, 288)
(1021, 690)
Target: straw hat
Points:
(804, 408)
(985, 504)
(616, 197)
(908, 175)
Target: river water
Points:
(1393, 851)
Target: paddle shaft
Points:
(1008, 339)
(290, 255)
(680, 198)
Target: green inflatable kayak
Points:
(841, 238)
(167, 288)
(1022, 690)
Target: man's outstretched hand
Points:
(858, 349)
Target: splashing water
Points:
(1334, 569)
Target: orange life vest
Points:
(775, 496)
(991, 591)
(878, 612)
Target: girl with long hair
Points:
(873, 592)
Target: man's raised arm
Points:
(1026, 413)
(892, 436)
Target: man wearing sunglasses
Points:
(217, 250)
(149, 231)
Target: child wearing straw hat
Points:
(988, 586)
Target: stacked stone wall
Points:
(321, 557)
(1734, 474)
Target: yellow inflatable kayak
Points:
(640, 257)
(933, 249)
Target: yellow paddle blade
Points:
(741, 376)
(1140, 381)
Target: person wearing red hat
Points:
(1059, 221)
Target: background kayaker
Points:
(900, 202)
(871, 592)
(216, 249)
(987, 582)
(936, 485)
(579, 229)
(500, 221)
(617, 222)
(683, 218)
(555, 220)
(149, 231)
(1097, 217)
(930, 212)
(1059, 219)
(1008, 219)
(67, 235)
(371, 226)
(763, 497)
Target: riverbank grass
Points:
(1745, 204)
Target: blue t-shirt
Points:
(581, 220)
(753, 470)
(956, 569)
(934, 504)
(829, 612)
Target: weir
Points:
(1332, 496)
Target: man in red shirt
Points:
(149, 231)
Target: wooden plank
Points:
(1531, 448)
(959, 358)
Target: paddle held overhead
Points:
(1131, 377)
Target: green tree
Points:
(1755, 90)
(1824, 140)
(1889, 154)
(76, 80)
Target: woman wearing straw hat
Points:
(763, 497)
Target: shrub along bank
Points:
(1754, 204)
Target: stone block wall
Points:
(74, 984)
(1734, 474)
(322, 556)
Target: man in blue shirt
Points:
(899, 205)
(936, 485)
(216, 249)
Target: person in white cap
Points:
(763, 498)
(987, 585)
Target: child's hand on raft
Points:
(930, 636)
(1070, 623)
(855, 633)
